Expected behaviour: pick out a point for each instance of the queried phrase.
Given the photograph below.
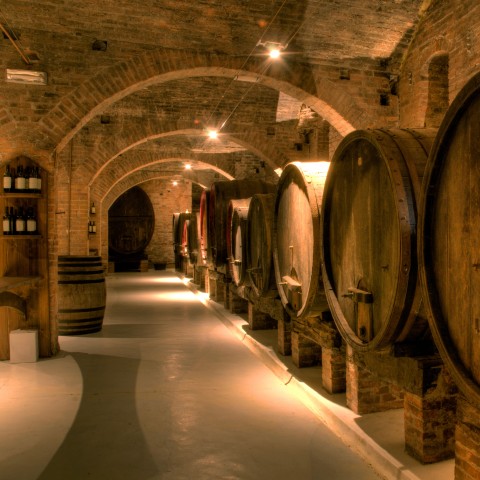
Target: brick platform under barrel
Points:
(316, 340)
(467, 441)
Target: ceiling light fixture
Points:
(30, 77)
(188, 166)
(274, 49)
(213, 134)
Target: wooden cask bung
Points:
(260, 269)
(296, 245)
(81, 295)
(220, 195)
(237, 239)
(369, 214)
(449, 239)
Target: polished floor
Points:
(165, 391)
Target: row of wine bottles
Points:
(23, 180)
(20, 222)
(92, 227)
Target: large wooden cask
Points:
(370, 267)
(205, 244)
(296, 245)
(193, 239)
(237, 239)
(180, 223)
(81, 295)
(449, 239)
(220, 195)
(176, 240)
(260, 269)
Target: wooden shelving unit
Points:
(24, 298)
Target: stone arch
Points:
(104, 184)
(251, 139)
(163, 65)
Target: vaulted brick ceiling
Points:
(321, 36)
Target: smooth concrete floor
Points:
(165, 391)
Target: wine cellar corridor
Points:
(240, 239)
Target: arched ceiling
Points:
(149, 77)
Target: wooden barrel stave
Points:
(81, 295)
(369, 236)
(260, 245)
(449, 242)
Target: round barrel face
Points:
(361, 242)
(238, 252)
(450, 248)
(297, 238)
(259, 255)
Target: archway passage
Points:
(130, 228)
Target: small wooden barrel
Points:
(81, 295)
(369, 212)
(237, 239)
(205, 244)
(449, 239)
(296, 245)
(220, 195)
(260, 269)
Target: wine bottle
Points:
(93, 210)
(27, 175)
(7, 180)
(94, 227)
(6, 223)
(31, 221)
(20, 180)
(11, 219)
(38, 177)
(20, 223)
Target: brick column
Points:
(430, 420)
(199, 277)
(237, 303)
(467, 441)
(285, 336)
(258, 320)
(305, 352)
(366, 392)
(333, 369)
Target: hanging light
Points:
(213, 134)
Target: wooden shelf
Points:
(10, 283)
(20, 237)
(21, 195)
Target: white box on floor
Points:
(23, 346)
